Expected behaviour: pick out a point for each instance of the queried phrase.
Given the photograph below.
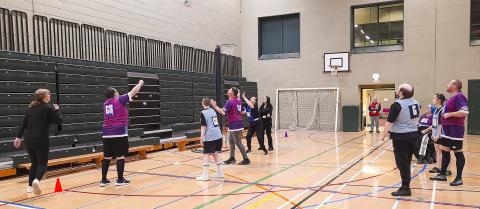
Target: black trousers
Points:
(267, 127)
(38, 154)
(256, 127)
(403, 150)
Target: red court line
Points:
(85, 185)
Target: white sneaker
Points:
(202, 178)
(36, 187)
(29, 189)
(217, 176)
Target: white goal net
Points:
(307, 109)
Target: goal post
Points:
(307, 109)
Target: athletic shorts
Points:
(115, 147)
(210, 147)
(454, 145)
(440, 140)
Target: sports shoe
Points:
(230, 161)
(456, 182)
(245, 161)
(402, 192)
(265, 151)
(29, 189)
(122, 182)
(270, 149)
(435, 170)
(449, 173)
(104, 183)
(36, 187)
(216, 176)
(202, 178)
(378, 131)
(439, 177)
(249, 150)
(259, 148)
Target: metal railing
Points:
(55, 37)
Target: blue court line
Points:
(369, 193)
(17, 205)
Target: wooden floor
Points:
(312, 169)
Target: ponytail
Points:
(38, 97)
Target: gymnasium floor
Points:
(347, 170)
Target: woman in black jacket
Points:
(266, 114)
(35, 131)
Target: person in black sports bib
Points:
(255, 124)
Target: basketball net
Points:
(227, 49)
(334, 70)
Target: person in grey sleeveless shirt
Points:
(211, 140)
(402, 126)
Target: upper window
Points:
(279, 36)
(475, 22)
(377, 27)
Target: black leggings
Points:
(38, 154)
(267, 126)
(257, 127)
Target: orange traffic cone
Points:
(58, 186)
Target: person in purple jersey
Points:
(115, 132)
(233, 109)
(453, 129)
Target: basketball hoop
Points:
(227, 49)
(334, 69)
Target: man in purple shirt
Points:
(115, 132)
(233, 109)
(453, 129)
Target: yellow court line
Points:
(295, 181)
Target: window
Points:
(475, 22)
(279, 37)
(377, 27)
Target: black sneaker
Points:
(245, 161)
(265, 151)
(402, 192)
(259, 148)
(439, 177)
(122, 182)
(270, 149)
(449, 173)
(378, 131)
(435, 170)
(456, 182)
(422, 161)
(104, 183)
(370, 131)
(249, 150)
(230, 161)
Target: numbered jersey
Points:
(208, 118)
(407, 118)
(115, 122)
(233, 108)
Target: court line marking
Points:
(434, 190)
(186, 196)
(275, 173)
(397, 198)
(17, 205)
(82, 186)
(350, 179)
(369, 194)
(365, 153)
(293, 182)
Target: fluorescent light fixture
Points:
(367, 37)
(371, 41)
(356, 26)
(362, 31)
